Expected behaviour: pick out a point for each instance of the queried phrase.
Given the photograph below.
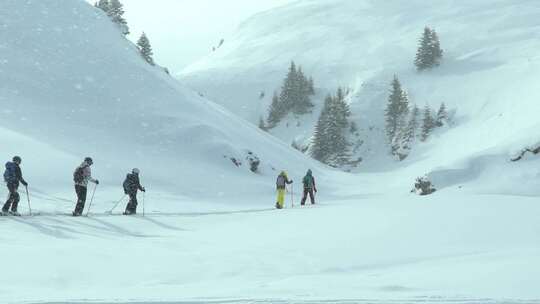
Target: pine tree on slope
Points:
(406, 137)
(311, 86)
(103, 5)
(428, 124)
(339, 124)
(288, 89)
(116, 13)
(436, 51)
(145, 49)
(301, 104)
(320, 148)
(429, 53)
(330, 145)
(396, 110)
(442, 116)
(275, 113)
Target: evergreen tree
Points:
(311, 86)
(442, 116)
(428, 124)
(396, 110)
(403, 142)
(288, 90)
(320, 148)
(339, 123)
(276, 112)
(146, 50)
(330, 145)
(104, 5)
(436, 51)
(429, 53)
(295, 92)
(414, 122)
(116, 13)
(301, 104)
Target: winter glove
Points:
(97, 182)
(143, 189)
(24, 183)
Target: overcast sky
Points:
(182, 31)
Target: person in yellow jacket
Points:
(281, 182)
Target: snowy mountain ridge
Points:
(363, 44)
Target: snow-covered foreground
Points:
(448, 248)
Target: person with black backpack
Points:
(81, 177)
(12, 177)
(131, 185)
(281, 182)
(309, 187)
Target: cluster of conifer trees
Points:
(115, 10)
(405, 123)
(295, 97)
(429, 52)
(330, 144)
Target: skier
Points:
(309, 187)
(131, 185)
(281, 182)
(81, 177)
(12, 177)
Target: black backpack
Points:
(10, 175)
(126, 184)
(78, 175)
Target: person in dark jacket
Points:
(131, 185)
(309, 187)
(12, 177)
(82, 176)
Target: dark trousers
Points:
(13, 198)
(131, 207)
(81, 198)
(311, 196)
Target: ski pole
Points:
(143, 195)
(292, 195)
(28, 198)
(91, 200)
(117, 203)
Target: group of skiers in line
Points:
(81, 177)
(309, 188)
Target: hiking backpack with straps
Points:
(308, 181)
(78, 175)
(10, 175)
(281, 180)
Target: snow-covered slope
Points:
(69, 79)
(488, 75)
(71, 86)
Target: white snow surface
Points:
(72, 86)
